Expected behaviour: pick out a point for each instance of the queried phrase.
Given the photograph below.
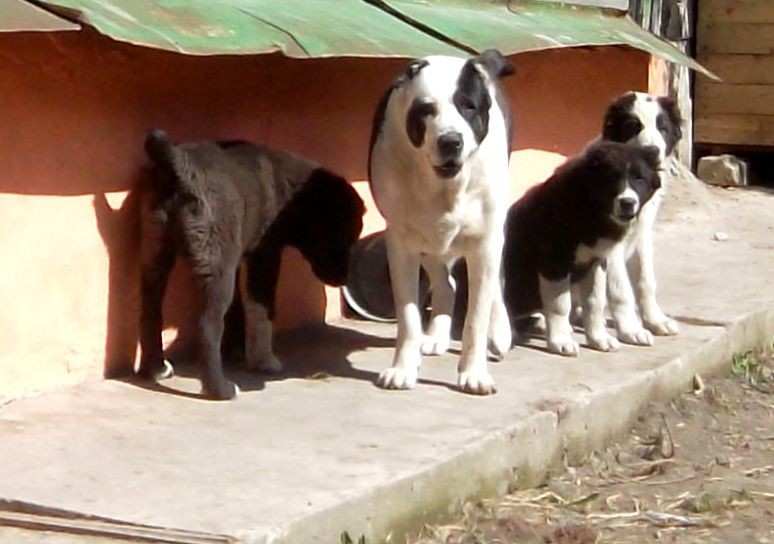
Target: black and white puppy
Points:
(560, 232)
(646, 120)
(439, 174)
(226, 205)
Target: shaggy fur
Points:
(561, 231)
(226, 205)
(439, 174)
(631, 278)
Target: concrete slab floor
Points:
(319, 450)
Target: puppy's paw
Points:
(663, 327)
(269, 364)
(222, 389)
(603, 342)
(436, 344)
(636, 337)
(477, 381)
(156, 372)
(564, 345)
(398, 377)
(500, 336)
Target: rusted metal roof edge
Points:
(371, 28)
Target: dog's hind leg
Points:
(157, 259)
(404, 274)
(645, 281)
(557, 304)
(217, 293)
(499, 335)
(257, 285)
(592, 295)
(438, 337)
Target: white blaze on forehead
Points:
(647, 110)
(439, 78)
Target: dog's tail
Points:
(159, 148)
(172, 160)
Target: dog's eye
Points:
(425, 109)
(466, 104)
(632, 126)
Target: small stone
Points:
(723, 170)
(722, 460)
(720, 236)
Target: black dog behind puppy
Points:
(560, 232)
(222, 205)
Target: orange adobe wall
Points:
(76, 107)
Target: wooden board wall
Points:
(735, 40)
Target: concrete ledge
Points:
(301, 457)
(522, 455)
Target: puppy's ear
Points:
(670, 107)
(497, 65)
(411, 71)
(652, 156)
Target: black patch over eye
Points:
(472, 100)
(415, 120)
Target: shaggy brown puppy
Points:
(226, 205)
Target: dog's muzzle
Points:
(449, 153)
(625, 208)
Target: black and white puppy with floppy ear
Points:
(439, 174)
(560, 232)
(649, 121)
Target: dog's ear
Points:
(497, 65)
(670, 107)
(652, 156)
(411, 71)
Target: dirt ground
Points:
(698, 469)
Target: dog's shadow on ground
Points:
(317, 352)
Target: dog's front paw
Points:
(156, 372)
(269, 364)
(636, 337)
(663, 327)
(564, 345)
(397, 377)
(477, 382)
(603, 342)
(436, 344)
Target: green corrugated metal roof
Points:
(369, 28)
(17, 15)
(298, 28)
(517, 25)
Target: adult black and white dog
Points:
(646, 120)
(226, 205)
(439, 174)
(560, 232)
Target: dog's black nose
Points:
(450, 144)
(627, 206)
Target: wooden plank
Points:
(741, 69)
(712, 98)
(736, 11)
(754, 130)
(735, 38)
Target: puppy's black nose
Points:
(627, 206)
(450, 145)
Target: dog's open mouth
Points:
(448, 169)
(624, 217)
